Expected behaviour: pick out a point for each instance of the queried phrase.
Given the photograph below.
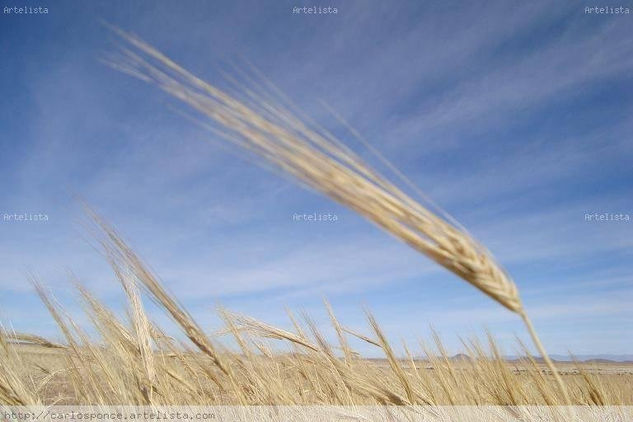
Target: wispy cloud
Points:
(515, 117)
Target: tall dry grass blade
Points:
(347, 351)
(33, 339)
(361, 336)
(142, 329)
(266, 330)
(392, 359)
(324, 165)
(116, 249)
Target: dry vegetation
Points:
(133, 361)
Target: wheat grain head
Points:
(260, 124)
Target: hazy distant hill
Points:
(599, 358)
(596, 358)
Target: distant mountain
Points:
(461, 356)
(598, 358)
(600, 361)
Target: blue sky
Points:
(513, 116)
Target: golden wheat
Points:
(317, 159)
(113, 368)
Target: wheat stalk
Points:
(26, 338)
(263, 126)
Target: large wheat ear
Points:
(261, 124)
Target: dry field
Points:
(132, 361)
(433, 381)
(128, 359)
(307, 377)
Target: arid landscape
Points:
(142, 268)
(613, 380)
(131, 360)
(312, 375)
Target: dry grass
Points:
(131, 360)
(263, 126)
